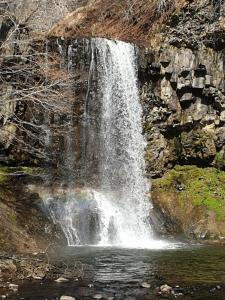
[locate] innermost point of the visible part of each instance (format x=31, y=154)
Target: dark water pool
x=196, y=271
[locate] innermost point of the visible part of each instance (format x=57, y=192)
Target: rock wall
x=191, y=202
x=183, y=91
x=184, y=108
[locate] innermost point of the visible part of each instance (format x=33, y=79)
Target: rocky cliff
x=183, y=91
x=181, y=75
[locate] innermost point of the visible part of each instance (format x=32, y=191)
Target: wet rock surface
x=24, y=225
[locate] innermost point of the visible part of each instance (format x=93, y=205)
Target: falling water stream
x=116, y=210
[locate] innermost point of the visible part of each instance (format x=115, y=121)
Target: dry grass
x=129, y=20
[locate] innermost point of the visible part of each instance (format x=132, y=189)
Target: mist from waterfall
x=114, y=211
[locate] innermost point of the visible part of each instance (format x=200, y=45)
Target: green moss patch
x=202, y=186
x=7, y=172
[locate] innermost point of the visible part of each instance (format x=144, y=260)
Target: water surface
x=196, y=271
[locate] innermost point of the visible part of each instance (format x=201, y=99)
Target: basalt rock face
x=72, y=131
x=183, y=92
x=184, y=105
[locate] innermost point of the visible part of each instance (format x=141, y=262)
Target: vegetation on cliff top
x=130, y=20
x=202, y=187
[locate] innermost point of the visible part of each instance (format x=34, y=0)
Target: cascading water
x=115, y=209
x=126, y=207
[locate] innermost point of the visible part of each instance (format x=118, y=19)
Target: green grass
x=202, y=186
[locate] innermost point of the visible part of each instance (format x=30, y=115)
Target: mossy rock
x=193, y=198
x=6, y=173
x=204, y=187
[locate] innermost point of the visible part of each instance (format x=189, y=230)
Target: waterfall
x=126, y=207
x=114, y=209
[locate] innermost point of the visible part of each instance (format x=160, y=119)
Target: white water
x=117, y=212
x=125, y=205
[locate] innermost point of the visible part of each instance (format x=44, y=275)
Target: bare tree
x=31, y=89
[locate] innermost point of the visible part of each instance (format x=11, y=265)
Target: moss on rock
x=197, y=196
x=6, y=173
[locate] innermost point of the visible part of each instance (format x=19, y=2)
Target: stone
x=180, y=83
x=8, y=266
x=13, y=287
x=145, y=285
x=177, y=294
x=174, y=77
x=97, y=296
x=198, y=110
x=221, y=85
x=61, y=279
x=220, y=137
x=37, y=278
x=7, y=134
x=199, y=82
x=169, y=70
x=165, y=289
x=208, y=80
x=165, y=57
x=186, y=97
x=222, y=116
x=67, y=298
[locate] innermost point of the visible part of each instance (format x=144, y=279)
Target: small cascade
x=114, y=207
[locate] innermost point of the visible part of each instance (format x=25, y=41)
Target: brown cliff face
x=24, y=228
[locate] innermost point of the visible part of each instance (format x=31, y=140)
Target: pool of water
x=196, y=271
